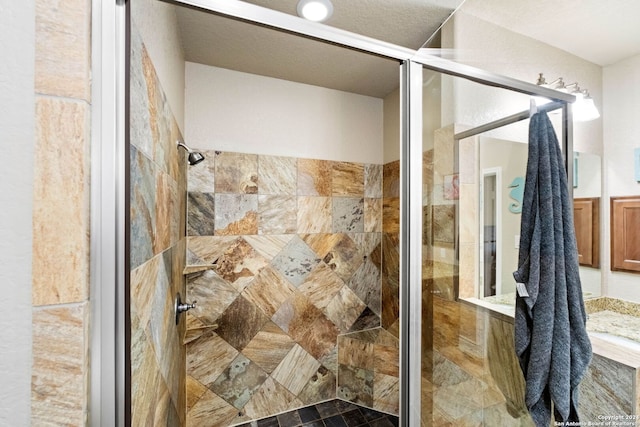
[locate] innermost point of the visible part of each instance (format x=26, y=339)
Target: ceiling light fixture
x=315, y=10
x=583, y=108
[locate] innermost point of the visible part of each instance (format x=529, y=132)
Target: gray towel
x=551, y=340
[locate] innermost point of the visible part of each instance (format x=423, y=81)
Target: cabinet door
x=586, y=214
x=625, y=233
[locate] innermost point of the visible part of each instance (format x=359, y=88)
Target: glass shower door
x=474, y=154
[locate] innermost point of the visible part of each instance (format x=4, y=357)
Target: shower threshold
x=332, y=413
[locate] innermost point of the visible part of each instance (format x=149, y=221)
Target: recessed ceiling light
x=315, y=10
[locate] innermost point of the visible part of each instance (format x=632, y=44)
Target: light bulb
x=585, y=110
x=315, y=10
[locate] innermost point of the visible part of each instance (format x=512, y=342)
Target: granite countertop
x=614, y=323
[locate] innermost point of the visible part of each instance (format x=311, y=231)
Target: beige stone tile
x=213, y=295
x=167, y=205
x=296, y=315
x=277, y=175
x=386, y=360
x=143, y=280
x=271, y=398
x=320, y=339
x=236, y=173
x=322, y=243
x=277, y=214
x=202, y=178
x=347, y=179
x=270, y=245
x=468, y=274
x=212, y=411
x=296, y=369
x=208, y=357
x=63, y=48
x=391, y=214
x=314, y=214
x=391, y=179
x=268, y=290
x=321, y=285
x=314, y=177
x=195, y=390
x=372, y=215
x=146, y=380
x=386, y=393
x=205, y=250
x=322, y=385
x=356, y=353
x=344, y=309
x=61, y=202
x=177, y=166
x=236, y=214
x=239, y=264
x=60, y=381
x=468, y=213
x=373, y=181
x=344, y=258
x=269, y=347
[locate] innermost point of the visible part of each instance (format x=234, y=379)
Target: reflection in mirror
x=587, y=189
x=501, y=172
x=502, y=168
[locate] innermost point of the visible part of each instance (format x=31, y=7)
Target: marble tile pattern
x=158, y=246
x=284, y=255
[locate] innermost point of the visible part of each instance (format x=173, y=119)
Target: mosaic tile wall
x=283, y=256
x=158, y=244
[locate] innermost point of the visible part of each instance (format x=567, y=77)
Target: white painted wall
x=392, y=126
x=487, y=46
x=621, y=82
x=17, y=117
x=484, y=45
x=232, y=111
x=158, y=25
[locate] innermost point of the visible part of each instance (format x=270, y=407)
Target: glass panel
x=286, y=234
x=470, y=373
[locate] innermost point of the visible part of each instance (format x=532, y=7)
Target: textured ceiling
x=602, y=32
x=226, y=43
x=598, y=31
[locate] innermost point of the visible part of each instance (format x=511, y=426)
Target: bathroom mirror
x=501, y=176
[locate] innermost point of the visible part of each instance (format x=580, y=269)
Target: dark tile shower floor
x=334, y=413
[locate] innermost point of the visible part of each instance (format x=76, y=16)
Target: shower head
x=195, y=157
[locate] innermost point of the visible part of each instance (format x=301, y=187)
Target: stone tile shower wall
x=157, y=252
x=283, y=256
x=61, y=213
x=368, y=370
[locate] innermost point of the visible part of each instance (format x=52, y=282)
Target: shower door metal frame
x=110, y=374
x=109, y=395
